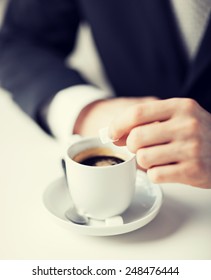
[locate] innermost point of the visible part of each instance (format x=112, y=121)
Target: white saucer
x=145, y=206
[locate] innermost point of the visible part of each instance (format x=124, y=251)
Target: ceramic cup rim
x=69, y=157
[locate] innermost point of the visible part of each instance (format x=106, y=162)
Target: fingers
x=159, y=155
x=190, y=173
x=171, y=139
x=146, y=135
x=178, y=151
x=139, y=114
x=149, y=135
x=167, y=174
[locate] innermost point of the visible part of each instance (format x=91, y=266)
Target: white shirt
x=192, y=19
x=191, y=16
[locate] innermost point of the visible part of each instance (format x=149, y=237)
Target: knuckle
x=195, y=148
x=173, y=102
x=130, y=145
x=152, y=98
x=193, y=126
x=198, y=167
x=189, y=105
x=143, y=159
x=194, y=169
x=186, y=129
x=156, y=176
x=133, y=140
x=135, y=113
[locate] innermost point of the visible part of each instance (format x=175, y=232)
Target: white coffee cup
x=104, y=191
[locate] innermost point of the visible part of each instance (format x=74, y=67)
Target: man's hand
x=100, y=113
x=171, y=138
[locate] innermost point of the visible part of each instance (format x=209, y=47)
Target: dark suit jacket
x=138, y=42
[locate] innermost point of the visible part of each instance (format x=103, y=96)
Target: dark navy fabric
x=138, y=42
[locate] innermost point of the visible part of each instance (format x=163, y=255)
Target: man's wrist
x=83, y=116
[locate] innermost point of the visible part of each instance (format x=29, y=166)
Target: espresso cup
x=101, y=178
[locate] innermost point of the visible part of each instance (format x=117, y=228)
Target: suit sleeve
x=35, y=39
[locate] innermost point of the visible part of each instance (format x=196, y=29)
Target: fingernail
x=104, y=136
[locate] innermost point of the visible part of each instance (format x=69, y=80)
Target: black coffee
x=102, y=161
x=99, y=157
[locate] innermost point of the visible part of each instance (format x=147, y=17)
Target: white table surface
x=30, y=160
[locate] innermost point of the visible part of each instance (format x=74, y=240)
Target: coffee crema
x=99, y=157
